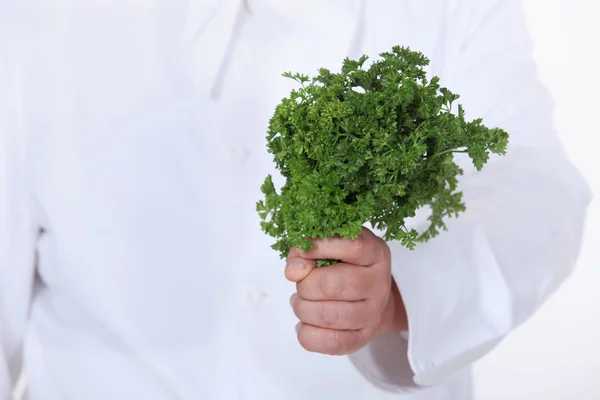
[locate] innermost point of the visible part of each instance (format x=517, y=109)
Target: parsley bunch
x=368, y=145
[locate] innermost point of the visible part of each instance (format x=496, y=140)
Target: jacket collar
x=213, y=28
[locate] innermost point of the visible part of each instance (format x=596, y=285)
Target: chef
x=132, y=264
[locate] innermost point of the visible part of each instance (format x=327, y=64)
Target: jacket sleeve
x=17, y=235
x=519, y=239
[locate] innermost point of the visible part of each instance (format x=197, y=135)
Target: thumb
x=297, y=268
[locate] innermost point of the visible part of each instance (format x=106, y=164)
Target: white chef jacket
x=132, y=137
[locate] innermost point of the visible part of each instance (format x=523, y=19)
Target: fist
x=343, y=306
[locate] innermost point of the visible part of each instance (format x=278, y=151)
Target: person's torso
x=148, y=149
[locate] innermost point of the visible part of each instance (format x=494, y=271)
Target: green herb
x=369, y=145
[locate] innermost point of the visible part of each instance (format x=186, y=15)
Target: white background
x=556, y=354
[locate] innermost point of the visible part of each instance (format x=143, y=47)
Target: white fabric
x=132, y=142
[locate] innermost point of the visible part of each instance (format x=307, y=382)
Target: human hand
x=343, y=306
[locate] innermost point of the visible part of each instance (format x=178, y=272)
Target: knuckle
x=381, y=250
x=356, y=246
x=330, y=317
x=356, y=317
x=386, y=253
x=357, y=283
x=333, y=284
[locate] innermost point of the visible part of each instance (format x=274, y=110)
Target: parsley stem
x=441, y=153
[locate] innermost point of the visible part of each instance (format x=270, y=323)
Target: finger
x=329, y=341
x=366, y=250
x=297, y=268
x=344, y=282
x=340, y=315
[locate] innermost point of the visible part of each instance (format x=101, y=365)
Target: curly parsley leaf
x=369, y=146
